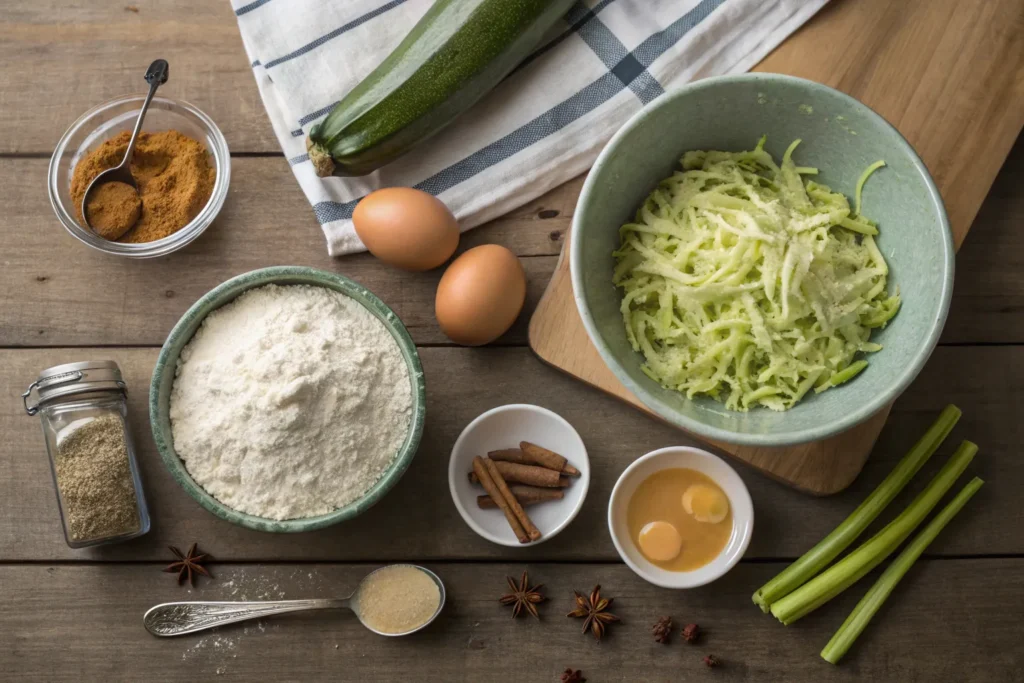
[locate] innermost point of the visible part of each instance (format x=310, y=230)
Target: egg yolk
x=705, y=503
x=660, y=541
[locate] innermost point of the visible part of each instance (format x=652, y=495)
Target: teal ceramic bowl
x=841, y=137
x=163, y=379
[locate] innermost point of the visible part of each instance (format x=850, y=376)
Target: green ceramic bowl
x=841, y=137
x=163, y=378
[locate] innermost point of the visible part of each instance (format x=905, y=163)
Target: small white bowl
x=694, y=459
x=505, y=427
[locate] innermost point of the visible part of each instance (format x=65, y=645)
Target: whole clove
x=662, y=629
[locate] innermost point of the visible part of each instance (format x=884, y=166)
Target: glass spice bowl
x=84, y=414
x=105, y=121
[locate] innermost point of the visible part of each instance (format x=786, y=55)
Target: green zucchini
x=457, y=52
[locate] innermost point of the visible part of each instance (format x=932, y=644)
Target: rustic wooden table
x=70, y=615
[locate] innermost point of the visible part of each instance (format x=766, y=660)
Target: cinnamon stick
x=531, y=475
x=486, y=480
x=531, y=530
x=518, y=455
x=538, y=455
x=509, y=455
x=526, y=495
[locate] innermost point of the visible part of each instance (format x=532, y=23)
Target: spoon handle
x=179, y=618
x=156, y=75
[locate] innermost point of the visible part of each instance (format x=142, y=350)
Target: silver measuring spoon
x=179, y=618
x=156, y=75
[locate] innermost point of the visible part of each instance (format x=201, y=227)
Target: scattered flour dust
x=290, y=401
x=219, y=647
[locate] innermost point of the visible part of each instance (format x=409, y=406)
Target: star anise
x=187, y=564
x=593, y=610
x=662, y=629
x=522, y=596
x=571, y=676
x=691, y=633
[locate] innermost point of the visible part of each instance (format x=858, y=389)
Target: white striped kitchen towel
x=542, y=126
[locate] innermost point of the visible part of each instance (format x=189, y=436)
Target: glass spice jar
x=84, y=411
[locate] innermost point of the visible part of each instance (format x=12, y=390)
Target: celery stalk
x=862, y=614
x=851, y=568
x=815, y=559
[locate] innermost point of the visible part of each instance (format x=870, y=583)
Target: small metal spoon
x=179, y=618
x=156, y=75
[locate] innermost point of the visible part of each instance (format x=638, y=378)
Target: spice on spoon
x=175, y=182
x=397, y=599
x=113, y=208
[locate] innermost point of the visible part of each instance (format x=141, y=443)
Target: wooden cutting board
x=950, y=76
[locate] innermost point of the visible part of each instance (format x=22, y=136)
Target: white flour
x=290, y=402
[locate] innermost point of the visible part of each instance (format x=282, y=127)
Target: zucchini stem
x=862, y=614
x=871, y=553
x=818, y=557
x=321, y=159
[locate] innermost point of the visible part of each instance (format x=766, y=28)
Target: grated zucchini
x=744, y=281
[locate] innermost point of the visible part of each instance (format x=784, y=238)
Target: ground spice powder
x=95, y=480
x=173, y=173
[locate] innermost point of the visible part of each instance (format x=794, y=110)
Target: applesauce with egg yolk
x=659, y=498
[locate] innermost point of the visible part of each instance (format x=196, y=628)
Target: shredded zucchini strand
x=860, y=184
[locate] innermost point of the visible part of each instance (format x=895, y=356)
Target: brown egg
x=406, y=228
x=480, y=295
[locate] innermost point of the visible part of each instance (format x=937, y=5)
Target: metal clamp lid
x=74, y=378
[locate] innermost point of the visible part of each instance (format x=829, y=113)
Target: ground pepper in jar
x=173, y=173
x=95, y=479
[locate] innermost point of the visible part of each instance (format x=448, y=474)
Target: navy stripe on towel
x=574, y=27
x=659, y=43
x=358, y=21
x=309, y=118
x=556, y=118
x=250, y=7
x=613, y=53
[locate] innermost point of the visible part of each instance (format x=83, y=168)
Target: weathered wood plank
x=949, y=620
x=59, y=292
x=108, y=48
x=989, y=293
x=988, y=383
